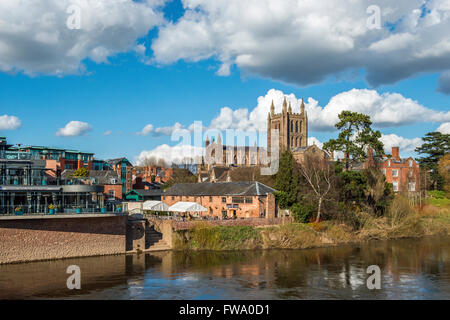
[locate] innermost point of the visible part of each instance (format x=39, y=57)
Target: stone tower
x=293, y=127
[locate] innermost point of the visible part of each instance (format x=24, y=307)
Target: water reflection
x=411, y=269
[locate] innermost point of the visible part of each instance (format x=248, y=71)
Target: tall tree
x=435, y=146
x=354, y=137
x=319, y=175
x=287, y=178
x=444, y=171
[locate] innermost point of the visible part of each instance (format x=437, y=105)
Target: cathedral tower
x=293, y=127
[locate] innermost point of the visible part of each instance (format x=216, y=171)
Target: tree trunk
x=318, y=209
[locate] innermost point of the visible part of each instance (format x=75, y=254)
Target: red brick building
x=403, y=173
x=226, y=199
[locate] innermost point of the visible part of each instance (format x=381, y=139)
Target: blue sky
x=128, y=90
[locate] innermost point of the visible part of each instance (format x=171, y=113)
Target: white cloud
x=306, y=41
x=107, y=133
x=146, y=130
x=172, y=154
x=314, y=140
x=385, y=110
x=9, y=122
x=444, y=128
x=406, y=145
x=35, y=38
x=73, y=129
x=161, y=131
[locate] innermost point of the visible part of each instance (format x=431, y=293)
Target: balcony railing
x=20, y=210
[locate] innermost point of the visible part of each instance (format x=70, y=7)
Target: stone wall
x=30, y=238
x=185, y=225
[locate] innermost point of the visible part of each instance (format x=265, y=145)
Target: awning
x=155, y=206
x=187, y=207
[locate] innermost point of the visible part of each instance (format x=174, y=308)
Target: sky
x=119, y=77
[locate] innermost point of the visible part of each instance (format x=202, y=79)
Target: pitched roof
x=117, y=160
x=220, y=173
x=101, y=176
x=241, y=188
x=147, y=192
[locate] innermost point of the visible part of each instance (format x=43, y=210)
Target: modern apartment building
x=25, y=187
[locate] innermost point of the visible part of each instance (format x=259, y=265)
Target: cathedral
x=293, y=135
x=293, y=127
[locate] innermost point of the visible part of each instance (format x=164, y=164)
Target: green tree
x=435, y=146
x=355, y=136
x=287, y=179
x=81, y=173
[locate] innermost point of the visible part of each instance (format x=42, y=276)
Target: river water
x=410, y=269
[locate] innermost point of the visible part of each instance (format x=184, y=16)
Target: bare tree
x=319, y=174
x=154, y=161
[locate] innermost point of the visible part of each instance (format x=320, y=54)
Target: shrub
x=399, y=210
x=302, y=213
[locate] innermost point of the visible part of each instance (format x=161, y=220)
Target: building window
x=395, y=173
x=173, y=198
x=410, y=173
x=384, y=171
x=410, y=163
x=248, y=200
x=296, y=126
x=237, y=199
x=111, y=193
x=395, y=185
x=412, y=186
x=210, y=199
x=389, y=163
x=224, y=199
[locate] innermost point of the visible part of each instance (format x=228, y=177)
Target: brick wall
x=216, y=205
x=27, y=239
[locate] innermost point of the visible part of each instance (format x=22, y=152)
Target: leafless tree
x=154, y=161
x=319, y=174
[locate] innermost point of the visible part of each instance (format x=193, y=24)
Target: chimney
x=369, y=153
x=396, y=153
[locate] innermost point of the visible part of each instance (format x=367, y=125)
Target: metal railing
x=26, y=210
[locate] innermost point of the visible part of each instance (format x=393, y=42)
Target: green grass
x=439, y=199
x=225, y=238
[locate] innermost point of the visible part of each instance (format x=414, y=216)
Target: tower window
x=296, y=126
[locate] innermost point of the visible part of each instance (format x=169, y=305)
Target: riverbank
x=313, y=235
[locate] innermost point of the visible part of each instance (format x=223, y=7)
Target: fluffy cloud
x=444, y=128
x=35, y=37
x=406, y=145
x=9, y=122
x=107, y=133
x=314, y=140
x=172, y=154
x=161, y=131
x=73, y=129
x=306, y=41
x=385, y=110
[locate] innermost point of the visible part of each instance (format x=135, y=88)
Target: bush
x=302, y=213
x=399, y=210
x=437, y=194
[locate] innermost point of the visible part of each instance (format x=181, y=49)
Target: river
x=410, y=269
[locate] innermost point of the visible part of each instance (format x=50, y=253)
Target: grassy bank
x=428, y=221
